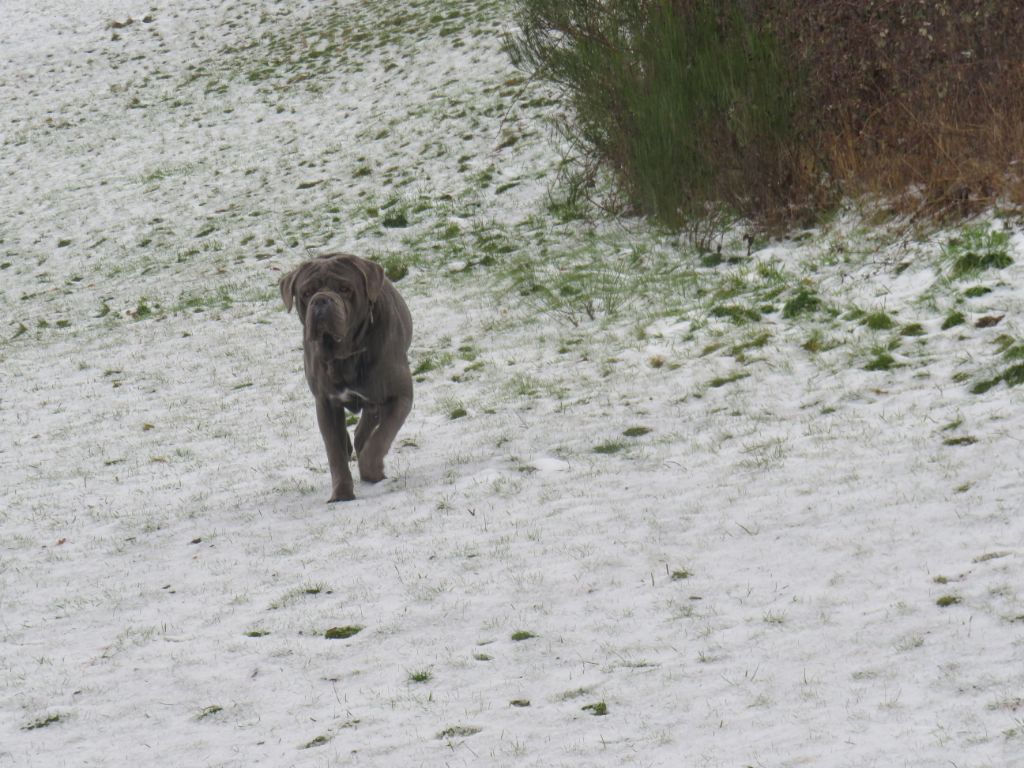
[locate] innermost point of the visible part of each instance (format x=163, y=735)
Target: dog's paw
x=342, y=494
x=370, y=471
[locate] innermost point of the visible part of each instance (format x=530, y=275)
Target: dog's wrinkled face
x=333, y=297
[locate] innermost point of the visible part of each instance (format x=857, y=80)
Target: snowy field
x=651, y=508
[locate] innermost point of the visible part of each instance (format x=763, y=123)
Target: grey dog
x=356, y=335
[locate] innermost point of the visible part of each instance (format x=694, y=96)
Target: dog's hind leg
x=368, y=421
x=391, y=416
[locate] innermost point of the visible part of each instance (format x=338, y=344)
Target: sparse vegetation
x=803, y=302
x=610, y=447
x=421, y=676
x=458, y=732
x=43, y=722
x=342, y=633
x=978, y=248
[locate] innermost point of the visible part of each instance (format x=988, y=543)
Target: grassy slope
x=163, y=479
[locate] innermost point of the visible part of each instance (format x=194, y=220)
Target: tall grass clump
x=689, y=103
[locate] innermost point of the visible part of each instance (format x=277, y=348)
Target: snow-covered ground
x=790, y=559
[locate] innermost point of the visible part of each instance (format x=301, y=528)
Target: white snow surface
x=753, y=581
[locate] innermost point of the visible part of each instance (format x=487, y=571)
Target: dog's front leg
x=331, y=418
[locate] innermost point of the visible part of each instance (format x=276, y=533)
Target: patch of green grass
x=721, y=381
x=1003, y=342
x=882, y=361
x=977, y=291
x=953, y=319
x=524, y=385
x=395, y=219
x=521, y=635
x=610, y=447
x=598, y=709
x=43, y=722
x=431, y=361
x=636, y=431
x=468, y=352
x=458, y=732
x=1012, y=377
x=142, y=309
x=804, y=302
x=342, y=633
x=457, y=412
x=976, y=249
x=736, y=313
x=957, y=441
x=878, y=321
x=257, y=633
x=947, y=600
x=421, y=676
x=209, y=711
x=319, y=741
x=680, y=574
x=913, y=329
x=988, y=556
x=200, y=301
x=757, y=342
x=585, y=285
x=817, y=343
x=396, y=265
x=519, y=703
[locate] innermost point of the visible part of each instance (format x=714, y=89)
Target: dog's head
x=334, y=297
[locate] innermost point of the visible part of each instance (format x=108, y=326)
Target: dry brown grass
x=921, y=103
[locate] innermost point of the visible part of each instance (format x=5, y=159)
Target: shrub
x=688, y=102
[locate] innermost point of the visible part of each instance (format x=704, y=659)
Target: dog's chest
x=343, y=380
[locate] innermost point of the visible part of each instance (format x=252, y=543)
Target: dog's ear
x=373, y=276
x=287, y=284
